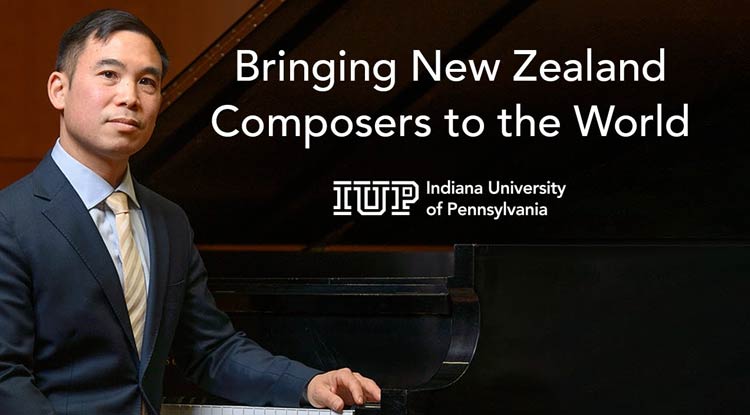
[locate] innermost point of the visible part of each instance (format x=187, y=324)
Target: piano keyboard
x=176, y=409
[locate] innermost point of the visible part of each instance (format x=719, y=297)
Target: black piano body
x=564, y=328
x=403, y=318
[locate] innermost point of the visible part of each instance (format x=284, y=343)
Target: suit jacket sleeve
x=223, y=361
x=18, y=393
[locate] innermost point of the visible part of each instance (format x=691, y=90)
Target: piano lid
x=283, y=192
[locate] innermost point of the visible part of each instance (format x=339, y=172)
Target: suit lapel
x=156, y=229
x=67, y=213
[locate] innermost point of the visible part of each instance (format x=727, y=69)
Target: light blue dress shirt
x=93, y=191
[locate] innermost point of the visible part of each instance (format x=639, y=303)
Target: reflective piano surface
x=589, y=329
x=409, y=320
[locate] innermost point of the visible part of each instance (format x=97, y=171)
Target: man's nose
x=127, y=94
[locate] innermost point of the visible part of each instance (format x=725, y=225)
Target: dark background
x=622, y=189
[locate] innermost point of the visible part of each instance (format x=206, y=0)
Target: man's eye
x=109, y=74
x=148, y=81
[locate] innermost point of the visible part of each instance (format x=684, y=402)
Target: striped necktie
x=134, y=284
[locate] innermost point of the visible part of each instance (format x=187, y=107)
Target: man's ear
x=57, y=87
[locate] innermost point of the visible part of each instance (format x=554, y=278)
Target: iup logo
x=374, y=197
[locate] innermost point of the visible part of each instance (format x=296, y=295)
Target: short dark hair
x=102, y=24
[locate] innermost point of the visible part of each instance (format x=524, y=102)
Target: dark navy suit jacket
x=66, y=345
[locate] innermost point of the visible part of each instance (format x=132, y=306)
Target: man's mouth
x=126, y=121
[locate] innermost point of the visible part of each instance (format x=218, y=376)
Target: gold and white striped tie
x=134, y=285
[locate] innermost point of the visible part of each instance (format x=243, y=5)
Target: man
x=99, y=276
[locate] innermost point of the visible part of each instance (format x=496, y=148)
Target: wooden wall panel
x=29, y=33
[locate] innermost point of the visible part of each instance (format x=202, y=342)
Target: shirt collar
x=91, y=188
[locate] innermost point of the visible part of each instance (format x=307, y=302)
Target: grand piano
x=594, y=309
x=404, y=318
x=626, y=328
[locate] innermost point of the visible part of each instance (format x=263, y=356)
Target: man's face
x=110, y=106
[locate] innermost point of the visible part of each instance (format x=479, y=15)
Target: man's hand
x=341, y=387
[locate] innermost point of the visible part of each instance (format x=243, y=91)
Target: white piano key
x=174, y=409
